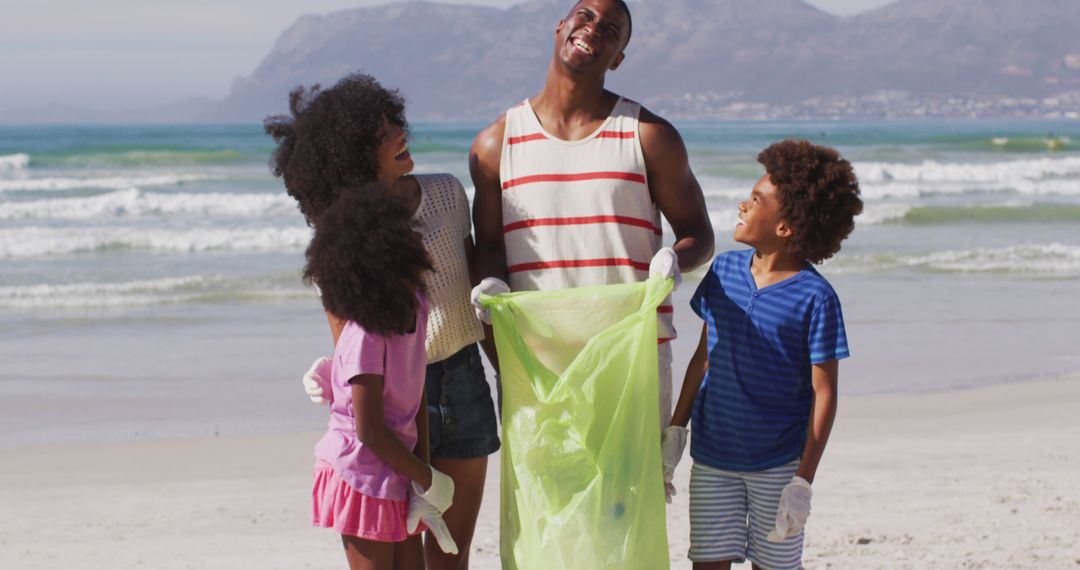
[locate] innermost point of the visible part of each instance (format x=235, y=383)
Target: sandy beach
x=981, y=478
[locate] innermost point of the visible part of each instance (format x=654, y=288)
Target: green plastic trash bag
x=582, y=482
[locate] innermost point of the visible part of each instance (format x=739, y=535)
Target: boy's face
x=759, y=224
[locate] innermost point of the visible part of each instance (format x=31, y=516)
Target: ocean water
x=151, y=274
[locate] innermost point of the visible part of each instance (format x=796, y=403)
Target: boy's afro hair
x=366, y=260
x=819, y=196
x=329, y=141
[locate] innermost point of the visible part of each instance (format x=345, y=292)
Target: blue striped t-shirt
x=753, y=408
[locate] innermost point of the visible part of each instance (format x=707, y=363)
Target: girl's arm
x=695, y=373
x=825, y=378
x=367, y=396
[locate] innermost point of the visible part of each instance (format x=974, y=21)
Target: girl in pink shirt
x=373, y=482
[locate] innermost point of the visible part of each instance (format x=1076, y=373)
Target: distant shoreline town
x=885, y=104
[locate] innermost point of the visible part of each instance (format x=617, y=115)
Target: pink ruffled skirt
x=338, y=506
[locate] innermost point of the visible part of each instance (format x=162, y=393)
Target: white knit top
x=444, y=222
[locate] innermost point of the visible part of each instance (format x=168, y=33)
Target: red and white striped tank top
x=578, y=213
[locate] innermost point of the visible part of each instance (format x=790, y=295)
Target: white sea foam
x=875, y=214
x=101, y=295
x=1027, y=260
x=992, y=172
x=133, y=203
x=105, y=182
x=27, y=242
x=17, y=161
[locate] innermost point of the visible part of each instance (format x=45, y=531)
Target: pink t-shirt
x=401, y=360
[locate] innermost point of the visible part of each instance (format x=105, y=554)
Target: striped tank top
x=578, y=213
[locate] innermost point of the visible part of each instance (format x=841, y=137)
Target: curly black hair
x=367, y=261
x=329, y=141
x=629, y=19
x=819, y=196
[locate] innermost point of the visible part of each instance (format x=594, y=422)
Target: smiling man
x=571, y=183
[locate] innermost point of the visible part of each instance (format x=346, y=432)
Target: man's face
x=592, y=36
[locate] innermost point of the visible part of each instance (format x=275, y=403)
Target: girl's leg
x=409, y=554
x=725, y=565
x=368, y=554
x=469, y=476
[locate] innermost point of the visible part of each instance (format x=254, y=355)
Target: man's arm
x=676, y=191
x=825, y=378
x=484, y=158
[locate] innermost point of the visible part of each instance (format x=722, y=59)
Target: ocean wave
x=140, y=157
x=30, y=242
x=1017, y=212
x=147, y=292
x=100, y=295
x=1054, y=260
x=16, y=161
x=133, y=203
x=1004, y=172
x=102, y=183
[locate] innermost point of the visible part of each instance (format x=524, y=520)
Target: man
x=570, y=184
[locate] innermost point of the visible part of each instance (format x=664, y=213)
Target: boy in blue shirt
x=761, y=388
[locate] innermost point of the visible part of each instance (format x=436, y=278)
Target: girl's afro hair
x=329, y=142
x=367, y=261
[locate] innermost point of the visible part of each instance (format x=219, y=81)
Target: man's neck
x=568, y=102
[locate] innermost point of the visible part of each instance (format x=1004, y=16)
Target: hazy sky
x=111, y=54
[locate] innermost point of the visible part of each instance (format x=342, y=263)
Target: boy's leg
x=763, y=489
x=718, y=507
x=725, y=565
x=365, y=554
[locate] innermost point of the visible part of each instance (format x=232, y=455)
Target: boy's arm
x=695, y=373
x=825, y=378
x=367, y=395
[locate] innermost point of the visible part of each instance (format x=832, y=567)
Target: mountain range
x=694, y=59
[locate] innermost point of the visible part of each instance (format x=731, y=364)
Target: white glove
x=666, y=264
x=793, y=511
x=428, y=506
x=317, y=382
x=672, y=444
x=489, y=286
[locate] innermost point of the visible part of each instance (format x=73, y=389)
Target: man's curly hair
x=366, y=260
x=819, y=196
x=329, y=141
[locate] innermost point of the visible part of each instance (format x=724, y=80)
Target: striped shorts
x=731, y=513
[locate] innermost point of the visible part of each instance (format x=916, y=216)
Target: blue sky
x=112, y=54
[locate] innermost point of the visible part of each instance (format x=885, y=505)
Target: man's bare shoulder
x=659, y=138
x=489, y=140
x=657, y=128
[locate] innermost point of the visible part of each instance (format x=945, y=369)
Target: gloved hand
x=428, y=506
x=317, y=382
x=672, y=444
x=793, y=511
x=489, y=286
x=666, y=264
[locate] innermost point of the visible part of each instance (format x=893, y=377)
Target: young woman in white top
x=353, y=133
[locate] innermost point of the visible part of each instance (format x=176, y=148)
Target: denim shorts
x=461, y=414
